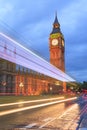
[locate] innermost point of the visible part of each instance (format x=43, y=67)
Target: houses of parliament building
x=18, y=80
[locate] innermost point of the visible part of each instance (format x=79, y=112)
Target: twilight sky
x=30, y=21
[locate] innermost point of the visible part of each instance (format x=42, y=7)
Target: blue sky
x=30, y=21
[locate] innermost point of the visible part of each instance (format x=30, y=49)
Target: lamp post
x=4, y=87
x=4, y=83
x=21, y=85
x=51, y=89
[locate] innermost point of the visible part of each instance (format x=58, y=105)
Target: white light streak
x=28, y=59
x=24, y=102
x=34, y=106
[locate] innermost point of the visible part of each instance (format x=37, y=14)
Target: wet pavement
x=74, y=118
x=71, y=115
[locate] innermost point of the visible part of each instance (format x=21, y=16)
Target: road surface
x=70, y=115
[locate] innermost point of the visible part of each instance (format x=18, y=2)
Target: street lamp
x=51, y=89
x=4, y=83
x=21, y=85
x=4, y=86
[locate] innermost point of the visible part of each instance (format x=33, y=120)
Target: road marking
x=71, y=108
x=30, y=125
x=57, y=117
x=47, y=119
x=47, y=123
x=20, y=129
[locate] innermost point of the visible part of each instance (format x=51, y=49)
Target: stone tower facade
x=57, y=48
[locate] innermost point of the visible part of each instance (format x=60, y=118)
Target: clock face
x=62, y=43
x=54, y=42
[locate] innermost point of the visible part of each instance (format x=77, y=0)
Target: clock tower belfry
x=57, y=47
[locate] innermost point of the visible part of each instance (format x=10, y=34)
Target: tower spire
x=56, y=13
x=56, y=25
x=56, y=19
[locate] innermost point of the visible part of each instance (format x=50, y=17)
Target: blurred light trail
x=16, y=103
x=34, y=106
x=28, y=59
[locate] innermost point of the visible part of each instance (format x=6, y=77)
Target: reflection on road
x=69, y=115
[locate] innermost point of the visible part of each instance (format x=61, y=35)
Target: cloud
x=31, y=23
x=72, y=13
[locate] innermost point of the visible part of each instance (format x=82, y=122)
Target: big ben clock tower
x=57, y=48
x=56, y=44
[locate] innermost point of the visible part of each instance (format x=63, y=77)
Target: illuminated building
x=7, y=77
x=57, y=48
x=18, y=80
